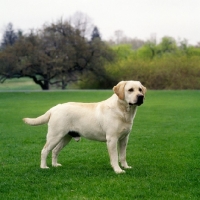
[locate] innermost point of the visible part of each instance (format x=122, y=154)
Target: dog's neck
x=129, y=111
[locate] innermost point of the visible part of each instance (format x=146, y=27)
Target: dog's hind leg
x=50, y=144
x=65, y=140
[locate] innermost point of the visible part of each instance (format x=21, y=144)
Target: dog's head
x=132, y=92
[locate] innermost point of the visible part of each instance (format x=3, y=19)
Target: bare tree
x=118, y=36
x=83, y=23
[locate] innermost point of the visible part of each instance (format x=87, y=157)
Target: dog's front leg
x=112, y=150
x=122, y=152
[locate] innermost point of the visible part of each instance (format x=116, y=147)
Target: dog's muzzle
x=140, y=100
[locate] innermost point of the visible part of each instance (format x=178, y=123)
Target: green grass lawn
x=19, y=84
x=163, y=149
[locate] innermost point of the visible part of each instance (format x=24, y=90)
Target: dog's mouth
x=136, y=104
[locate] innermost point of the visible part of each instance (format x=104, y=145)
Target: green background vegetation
x=163, y=150
x=157, y=66
x=61, y=56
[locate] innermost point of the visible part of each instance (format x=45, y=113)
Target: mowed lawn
x=163, y=150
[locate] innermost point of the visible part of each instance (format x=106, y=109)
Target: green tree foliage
x=150, y=49
x=167, y=45
x=61, y=53
x=96, y=76
x=158, y=66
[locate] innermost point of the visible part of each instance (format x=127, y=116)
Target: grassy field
x=164, y=151
x=19, y=84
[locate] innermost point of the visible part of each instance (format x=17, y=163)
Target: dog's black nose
x=140, y=100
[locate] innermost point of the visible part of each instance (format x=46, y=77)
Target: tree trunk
x=64, y=84
x=44, y=84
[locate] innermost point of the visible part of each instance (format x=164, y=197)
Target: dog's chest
x=127, y=122
x=126, y=128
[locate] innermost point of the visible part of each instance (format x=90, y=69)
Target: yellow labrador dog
x=109, y=121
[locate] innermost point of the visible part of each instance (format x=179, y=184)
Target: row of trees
x=64, y=52
x=164, y=65
x=55, y=55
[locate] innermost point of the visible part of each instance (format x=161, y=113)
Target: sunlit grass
x=163, y=150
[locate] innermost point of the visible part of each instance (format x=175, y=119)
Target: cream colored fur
x=108, y=121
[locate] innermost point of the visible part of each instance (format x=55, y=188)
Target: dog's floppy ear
x=119, y=89
x=144, y=89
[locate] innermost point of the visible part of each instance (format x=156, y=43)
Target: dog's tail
x=43, y=119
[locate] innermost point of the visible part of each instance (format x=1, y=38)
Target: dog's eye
x=140, y=89
x=131, y=90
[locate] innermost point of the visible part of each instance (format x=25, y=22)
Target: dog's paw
x=77, y=139
x=56, y=165
x=120, y=172
x=127, y=167
x=44, y=167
